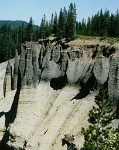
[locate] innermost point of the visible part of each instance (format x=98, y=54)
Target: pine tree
x=112, y=27
x=106, y=22
x=65, y=14
x=7, y=43
x=36, y=33
x=55, y=24
x=83, y=27
x=51, y=23
x=71, y=21
x=117, y=23
x=89, y=27
x=42, y=32
x=99, y=135
x=79, y=28
x=29, y=30
x=60, y=24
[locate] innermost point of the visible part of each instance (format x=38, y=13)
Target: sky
x=24, y=9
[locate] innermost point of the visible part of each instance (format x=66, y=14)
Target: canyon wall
x=48, y=92
x=76, y=64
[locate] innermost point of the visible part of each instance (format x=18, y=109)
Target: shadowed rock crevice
x=25, y=65
x=90, y=85
x=95, y=52
x=107, y=51
x=13, y=111
x=11, y=115
x=58, y=83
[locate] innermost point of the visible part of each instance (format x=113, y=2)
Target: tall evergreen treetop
x=30, y=30
x=71, y=21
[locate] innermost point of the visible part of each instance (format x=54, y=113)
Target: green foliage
x=11, y=37
x=44, y=30
x=12, y=24
x=29, y=30
x=101, y=24
x=99, y=135
x=71, y=21
x=7, y=44
x=62, y=25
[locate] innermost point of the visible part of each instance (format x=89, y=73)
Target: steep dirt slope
x=44, y=116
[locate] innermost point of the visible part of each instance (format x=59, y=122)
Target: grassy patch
x=104, y=39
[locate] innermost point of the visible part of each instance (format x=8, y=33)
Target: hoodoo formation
x=48, y=91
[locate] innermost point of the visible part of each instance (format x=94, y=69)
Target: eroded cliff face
x=49, y=91
x=38, y=62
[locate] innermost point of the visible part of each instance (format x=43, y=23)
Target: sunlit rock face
x=47, y=92
x=101, y=69
x=113, y=83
